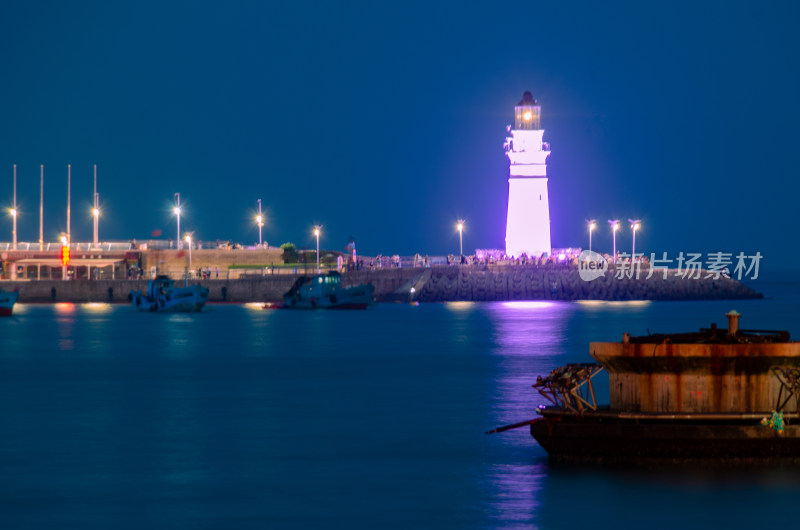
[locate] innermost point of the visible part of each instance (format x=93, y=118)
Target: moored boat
x=7, y=301
x=162, y=295
x=715, y=395
x=325, y=291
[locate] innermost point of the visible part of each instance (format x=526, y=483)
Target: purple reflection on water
x=528, y=341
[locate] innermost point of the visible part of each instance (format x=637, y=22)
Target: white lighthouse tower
x=528, y=222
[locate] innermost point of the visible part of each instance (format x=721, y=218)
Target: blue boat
x=7, y=301
x=325, y=291
x=162, y=295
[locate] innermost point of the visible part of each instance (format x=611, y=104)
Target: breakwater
x=436, y=284
x=546, y=283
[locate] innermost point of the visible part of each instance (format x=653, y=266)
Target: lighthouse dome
x=527, y=99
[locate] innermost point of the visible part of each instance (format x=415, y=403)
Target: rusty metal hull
x=606, y=438
x=665, y=377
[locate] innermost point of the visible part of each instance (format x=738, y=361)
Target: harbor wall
x=562, y=283
x=437, y=284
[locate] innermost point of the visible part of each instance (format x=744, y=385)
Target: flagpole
x=41, y=208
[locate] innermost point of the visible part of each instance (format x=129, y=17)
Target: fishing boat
x=325, y=291
x=162, y=295
x=717, y=395
x=7, y=301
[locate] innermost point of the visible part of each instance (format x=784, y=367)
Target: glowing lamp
x=460, y=228
x=96, y=212
x=13, y=212
x=65, y=255
x=258, y=219
x=316, y=233
x=592, y=227
x=527, y=116
x=635, y=225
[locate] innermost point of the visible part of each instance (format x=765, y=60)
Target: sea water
x=239, y=417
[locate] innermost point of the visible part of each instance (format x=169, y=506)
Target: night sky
x=385, y=121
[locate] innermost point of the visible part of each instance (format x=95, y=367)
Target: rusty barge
x=718, y=394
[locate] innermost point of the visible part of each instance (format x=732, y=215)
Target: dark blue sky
x=386, y=121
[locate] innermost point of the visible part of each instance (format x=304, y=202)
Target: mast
x=69, y=195
x=96, y=210
x=14, y=208
x=41, y=208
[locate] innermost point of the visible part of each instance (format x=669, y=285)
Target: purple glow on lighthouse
x=528, y=221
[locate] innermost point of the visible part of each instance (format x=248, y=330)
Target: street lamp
x=64, y=243
x=189, y=242
x=260, y=222
x=69, y=200
x=96, y=211
x=13, y=210
x=592, y=227
x=635, y=225
x=460, y=228
x=177, y=212
x=316, y=234
x=96, y=215
x=614, y=227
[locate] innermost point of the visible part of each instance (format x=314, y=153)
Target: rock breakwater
x=544, y=283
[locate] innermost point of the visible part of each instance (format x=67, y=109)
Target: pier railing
x=108, y=246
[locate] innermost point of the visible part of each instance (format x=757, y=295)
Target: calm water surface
x=243, y=418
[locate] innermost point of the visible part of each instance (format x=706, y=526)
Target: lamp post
x=189, y=242
x=260, y=222
x=460, y=228
x=316, y=234
x=64, y=243
x=96, y=212
x=177, y=211
x=69, y=200
x=614, y=227
x=41, y=207
x=13, y=211
x=592, y=226
x=636, y=224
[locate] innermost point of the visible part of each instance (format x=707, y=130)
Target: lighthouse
x=528, y=221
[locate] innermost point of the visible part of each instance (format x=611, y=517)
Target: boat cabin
x=160, y=285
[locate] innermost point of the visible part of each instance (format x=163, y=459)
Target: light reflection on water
x=527, y=338
x=66, y=325
x=527, y=491
x=243, y=417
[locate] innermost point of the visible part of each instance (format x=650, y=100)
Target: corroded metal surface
x=570, y=386
x=696, y=377
x=589, y=439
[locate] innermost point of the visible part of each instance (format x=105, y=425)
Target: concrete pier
x=436, y=284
